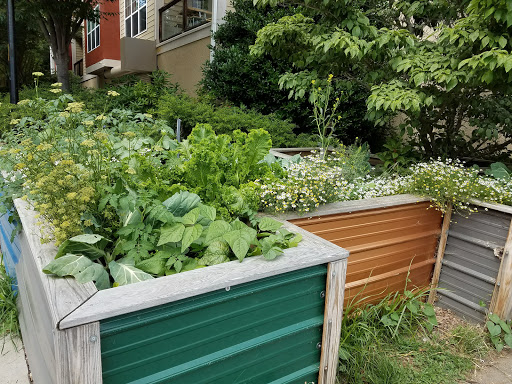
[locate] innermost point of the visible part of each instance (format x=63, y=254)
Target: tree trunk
x=62, y=61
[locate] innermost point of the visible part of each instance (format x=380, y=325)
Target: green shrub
x=226, y=119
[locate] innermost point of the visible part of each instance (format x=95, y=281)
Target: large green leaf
x=269, y=224
x=132, y=217
x=171, y=234
x=81, y=268
x=508, y=340
x=155, y=264
x=494, y=329
x=240, y=241
x=208, y=212
x=124, y=272
x=216, y=253
x=87, y=238
x=256, y=147
x=90, y=246
x=181, y=203
x=190, y=235
x=190, y=218
x=216, y=230
x=269, y=247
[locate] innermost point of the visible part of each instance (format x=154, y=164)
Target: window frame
x=91, y=31
x=130, y=17
x=184, y=21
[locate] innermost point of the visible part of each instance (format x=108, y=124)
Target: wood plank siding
x=386, y=246
x=149, y=33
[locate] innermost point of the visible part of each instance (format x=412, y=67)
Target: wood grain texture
x=41, y=363
x=78, y=355
x=130, y=298
x=333, y=314
x=503, y=303
x=44, y=301
x=355, y=205
x=62, y=295
x=440, y=253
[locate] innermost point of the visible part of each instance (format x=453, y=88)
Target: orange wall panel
x=109, y=47
x=387, y=246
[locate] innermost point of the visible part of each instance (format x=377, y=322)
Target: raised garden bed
x=260, y=321
x=400, y=240
x=390, y=239
x=267, y=321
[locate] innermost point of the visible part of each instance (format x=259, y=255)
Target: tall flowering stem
x=324, y=114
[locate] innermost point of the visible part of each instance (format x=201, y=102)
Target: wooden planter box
x=259, y=321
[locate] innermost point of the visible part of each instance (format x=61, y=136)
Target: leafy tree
x=456, y=77
x=59, y=22
x=456, y=90
x=238, y=77
x=31, y=47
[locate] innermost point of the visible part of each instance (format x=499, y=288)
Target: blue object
x=10, y=250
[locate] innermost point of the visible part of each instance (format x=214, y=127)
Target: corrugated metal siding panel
x=265, y=331
x=470, y=265
x=386, y=245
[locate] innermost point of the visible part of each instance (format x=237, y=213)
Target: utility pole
x=12, y=55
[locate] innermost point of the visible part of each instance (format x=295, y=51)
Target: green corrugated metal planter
x=258, y=332
x=258, y=321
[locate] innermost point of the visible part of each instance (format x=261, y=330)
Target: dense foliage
x=241, y=78
x=226, y=119
x=445, y=65
x=31, y=48
x=115, y=188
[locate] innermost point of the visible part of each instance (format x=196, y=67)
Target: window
x=93, y=32
x=135, y=17
x=179, y=16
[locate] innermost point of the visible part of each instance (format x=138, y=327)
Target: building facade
x=140, y=36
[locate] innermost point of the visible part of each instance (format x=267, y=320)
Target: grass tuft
x=9, y=324
x=391, y=342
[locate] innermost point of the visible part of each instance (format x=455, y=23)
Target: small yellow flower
x=129, y=134
x=64, y=114
x=101, y=117
x=56, y=90
x=131, y=171
x=37, y=74
x=57, y=85
x=113, y=93
x=88, y=123
x=23, y=102
x=75, y=107
x=88, y=143
x=148, y=115
x=313, y=82
x=15, y=121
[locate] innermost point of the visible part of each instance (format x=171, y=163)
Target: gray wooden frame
x=60, y=317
